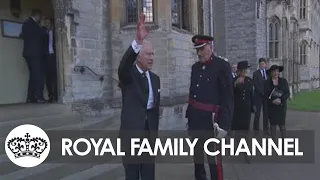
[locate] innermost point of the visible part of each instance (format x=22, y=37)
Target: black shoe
x=31, y=101
x=41, y=100
x=52, y=99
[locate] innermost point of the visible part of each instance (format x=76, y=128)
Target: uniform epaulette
x=223, y=58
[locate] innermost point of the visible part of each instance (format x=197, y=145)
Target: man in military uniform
x=211, y=103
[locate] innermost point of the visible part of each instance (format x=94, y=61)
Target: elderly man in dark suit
x=140, y=98
x=259, y=78
x=32, y=35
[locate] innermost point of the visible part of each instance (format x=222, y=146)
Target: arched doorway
x=14, y=73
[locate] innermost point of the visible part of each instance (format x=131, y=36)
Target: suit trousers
x=215, y=164
x=260, y=103
x=145, y=171
x=36, y=77
x=51, y=76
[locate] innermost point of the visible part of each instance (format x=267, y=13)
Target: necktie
x=145, y=82
x=264, y=74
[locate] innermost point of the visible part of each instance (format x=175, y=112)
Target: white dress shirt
x=263, y=73
x=234, y=75
x=51, y=51
x=136, y=49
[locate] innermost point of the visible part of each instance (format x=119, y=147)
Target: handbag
x=275, y=93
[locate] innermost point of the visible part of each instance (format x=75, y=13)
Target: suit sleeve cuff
x=135, y=46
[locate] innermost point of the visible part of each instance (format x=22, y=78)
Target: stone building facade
x=96, y=34
x=285, y=31
x=297, y=46
x=240, y=30
x=91, y=38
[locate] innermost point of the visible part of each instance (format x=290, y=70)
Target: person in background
x=234, y=70
x=259, y=78
x=50, y=63
x=32, y=35
x=243, y=102
x=277, y=93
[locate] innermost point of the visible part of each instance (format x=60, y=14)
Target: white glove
x=221, y=133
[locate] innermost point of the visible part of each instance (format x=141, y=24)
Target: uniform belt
x=205, y=107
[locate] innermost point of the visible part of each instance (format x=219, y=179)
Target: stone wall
x=309, y=31
x=220, y=28
x=261, y=31
x=207, y=17
x=240, y=35
x=83, y=39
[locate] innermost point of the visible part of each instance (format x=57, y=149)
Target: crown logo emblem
x=27, y=146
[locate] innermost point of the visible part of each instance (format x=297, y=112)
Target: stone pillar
x=63, y=52
x=220, y=18
x=82, y=40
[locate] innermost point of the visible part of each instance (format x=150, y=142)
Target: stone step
x=43, y=122
x=59, y=172
x=56, y=170
x=66, y=172
x=17, y=112
x=8, y=169
x=96, y=171
x=86, y=125
x=49, y=116
x=115, y=174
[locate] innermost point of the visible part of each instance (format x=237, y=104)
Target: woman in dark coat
x=243, y=99
x=277, y=92
x=243, y=103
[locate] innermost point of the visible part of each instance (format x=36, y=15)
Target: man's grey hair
x=145, y=42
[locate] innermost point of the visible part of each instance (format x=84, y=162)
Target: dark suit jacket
x=32, y=35
x=258, y=82
x=134, y=100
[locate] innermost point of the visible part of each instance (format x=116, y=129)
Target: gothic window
x=285, y=39
x=274, y=30
x=258, y=6
x=319, y=54
x=180, y=14
x=303, y=52
x=303, y=9
x=135, y=7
